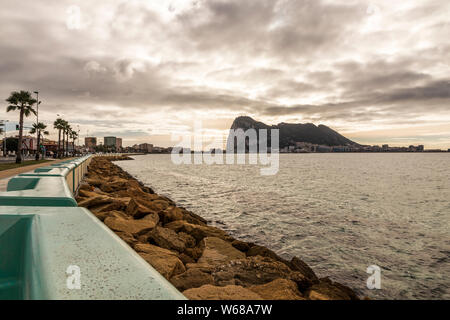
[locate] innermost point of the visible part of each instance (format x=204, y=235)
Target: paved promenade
x=5, y=175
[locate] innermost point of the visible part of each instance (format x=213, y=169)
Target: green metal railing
x=52, y=249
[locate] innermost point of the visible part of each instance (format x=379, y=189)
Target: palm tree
x=40, y=130
x=74, y=136
x=23, y=102
x=59, y=125
x=69, y=130
x=64, y=130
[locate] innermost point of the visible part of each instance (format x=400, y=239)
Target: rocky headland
x=202, y=261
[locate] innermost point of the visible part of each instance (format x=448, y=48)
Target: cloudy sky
x=377, y=71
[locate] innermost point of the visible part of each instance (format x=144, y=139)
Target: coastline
x=201, y=261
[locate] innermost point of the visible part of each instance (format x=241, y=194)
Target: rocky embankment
x=203, y=262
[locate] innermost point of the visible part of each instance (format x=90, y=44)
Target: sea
x=341, y=213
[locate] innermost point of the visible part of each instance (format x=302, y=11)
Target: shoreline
x=201, y=261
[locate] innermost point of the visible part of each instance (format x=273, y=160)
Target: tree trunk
x=38, y=145
x=59, y=143
x=67, y=144
x=19, y=144
x=63, y=142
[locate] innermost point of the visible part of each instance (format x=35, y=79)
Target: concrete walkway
x=5, y=175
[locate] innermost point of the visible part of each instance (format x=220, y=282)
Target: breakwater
x=202, y=261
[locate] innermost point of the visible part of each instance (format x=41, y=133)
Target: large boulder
x=87, y=192
x=279, y=289
x=166, y=262
x=173, y=213
x=298, y=265
x=328, y=290
x=198, y=231
x=257, y=250
x=94, y=181
x=139, y=207
x=256, y=271
x=115, y=204
x=115, y=184
x=135, y=227
x=189, y=240
x=195, y=252
x=167, y=238
x=192, y=278
x=127, y=237
x=113, y=213
x=137, y=210
x=209, y=292
x=241, y=245
x=217, y=251
x=95, y=201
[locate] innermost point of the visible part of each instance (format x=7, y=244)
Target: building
x=90, y=142
x=109, y=142
x=118, y=143
x=146, y=147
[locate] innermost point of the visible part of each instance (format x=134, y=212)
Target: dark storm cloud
x=277, y=29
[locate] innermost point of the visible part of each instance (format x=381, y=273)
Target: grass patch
x=13, y=165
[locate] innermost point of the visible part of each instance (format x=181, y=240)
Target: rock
x=298, y=265
x=166, y=238
x=94, y=181
x=194, y=218
x=171, y=214
x=151, y=249
x=256, y=250
x=279, y=289
x=113, y=205
x=127, y=237
x=85, y=186
x=192, y=278
x=137, y=210
x=135, y=227
x=204, y=268
x=188, y=240
x=164, y=261
x=256, y=271
x=153, y=217
x=217, y=251
x=115, y=184
x=139, y=193
x=241, y=245
x=87, y=193
x=158, y=205
x=327, y=290
x=195, y=253
x=105, y=214
x=95, y=201
x=186, y=259
x=209, y=292
x=197, y=231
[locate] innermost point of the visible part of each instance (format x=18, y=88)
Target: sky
x=376, y=71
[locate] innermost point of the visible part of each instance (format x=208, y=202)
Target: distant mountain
x=297, y=132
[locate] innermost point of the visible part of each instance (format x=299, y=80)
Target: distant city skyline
x=377, y=72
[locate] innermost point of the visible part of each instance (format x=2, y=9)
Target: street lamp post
x=38, y=131
x=78, y=137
